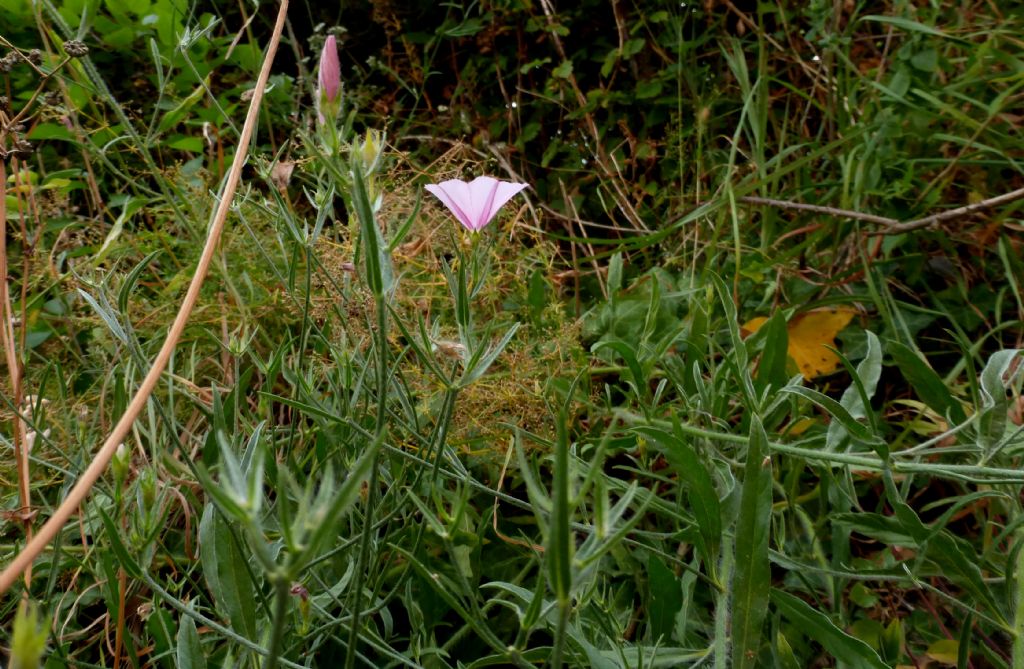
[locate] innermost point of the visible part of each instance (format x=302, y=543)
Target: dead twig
x=819, y=209
x=891, y=226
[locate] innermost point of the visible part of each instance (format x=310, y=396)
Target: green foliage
x=381, y=444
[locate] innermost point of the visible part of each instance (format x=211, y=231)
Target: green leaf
x=130, y=281
x=784, y=656
x=178, y=113
x=868, y=372
x=160, y=627
x=614, y=275
x=648, y=89
x=772, y=369
x=752, y=581
x=375, y=256
x=906, y=24
x=561, y=540
x=665, y=599
x=840, y=645
x=226, y=573
x=994, y=404
x=838, y=412
x=51, y=131
x=926, y=60
x=537, y=296
x=481, y=361
x=956, y=560
x=629, y=357
x=335, y=506
x=925, y=382
x=115, y=536
x=403, y=230
x=190, y=144
x=563, y=71
x=189, y=653
x=700, y=491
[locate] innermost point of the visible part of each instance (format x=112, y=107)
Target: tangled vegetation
x=735, y=382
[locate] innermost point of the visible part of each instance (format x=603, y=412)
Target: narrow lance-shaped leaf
x=378, y=270
x=868, y=372
x=752, y=581
x=840, y=645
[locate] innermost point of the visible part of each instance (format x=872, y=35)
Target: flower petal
x=475, y=203
x=498, y=193
x=454, y=194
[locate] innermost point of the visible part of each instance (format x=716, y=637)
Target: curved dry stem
x=8, y=340
x=99, y=464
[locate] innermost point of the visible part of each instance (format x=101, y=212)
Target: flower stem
x=381, y=346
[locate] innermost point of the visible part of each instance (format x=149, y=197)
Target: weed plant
x=385, y=440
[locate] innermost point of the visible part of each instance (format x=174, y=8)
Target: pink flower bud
x=328, y=89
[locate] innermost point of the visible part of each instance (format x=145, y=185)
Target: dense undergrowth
x=656, y=414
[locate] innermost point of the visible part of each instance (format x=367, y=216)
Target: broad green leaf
x=944, y=651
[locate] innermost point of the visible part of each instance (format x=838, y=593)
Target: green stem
x=1018, y=615
x=722, y=640
x=281, y=593
x=969, y=473
x=364, y=548
x=563, y=622
x=442, y=432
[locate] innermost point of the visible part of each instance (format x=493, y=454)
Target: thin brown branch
x=14, y=371
x=818, y=209
x=891, y=225
x=952, y=214
x=99, y=464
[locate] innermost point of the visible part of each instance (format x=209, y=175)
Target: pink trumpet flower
x=474, y=203
x=328, y=88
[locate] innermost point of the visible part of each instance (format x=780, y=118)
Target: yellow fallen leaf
x=809, y=335
x=944, y=651
x=799, y=426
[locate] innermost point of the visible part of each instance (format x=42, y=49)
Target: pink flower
x=476, y=202
x=328, y=88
